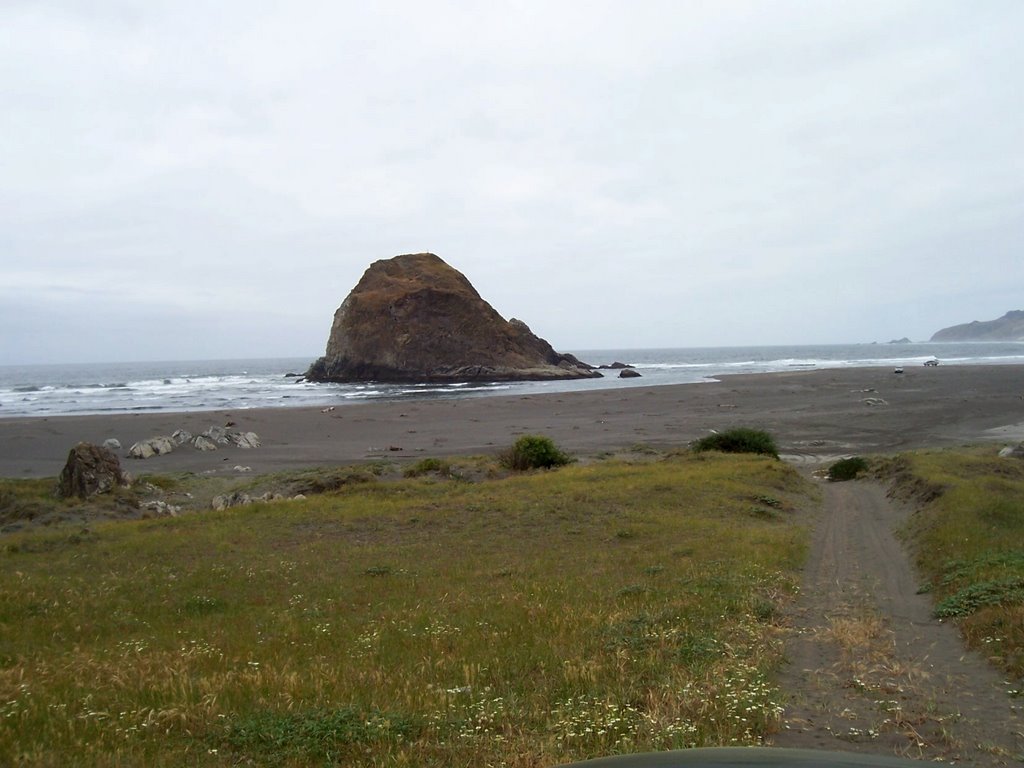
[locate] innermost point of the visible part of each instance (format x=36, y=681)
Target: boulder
x=181, y=436
x=154, y=446
x=161, y=508
x=236, y=499
x=218, y=435
x=90, y=469
x=628, y=373
x=414, y=318
x=616, y=366
x=1013, y=452
x=203, y=443
x=112, y=444
x=241, y=499
x=245, y=439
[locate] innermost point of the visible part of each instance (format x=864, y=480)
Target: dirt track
x=870, y=669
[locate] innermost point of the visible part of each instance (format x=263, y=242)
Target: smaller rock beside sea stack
x=90, y=469
x=414, y=318
x=629, y=373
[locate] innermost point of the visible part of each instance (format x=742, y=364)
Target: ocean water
x=52, y=390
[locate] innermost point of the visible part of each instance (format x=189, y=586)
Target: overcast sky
x=187, y=180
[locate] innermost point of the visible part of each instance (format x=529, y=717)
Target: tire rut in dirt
x=870, y=669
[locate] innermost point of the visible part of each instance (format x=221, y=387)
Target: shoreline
x=813, y=415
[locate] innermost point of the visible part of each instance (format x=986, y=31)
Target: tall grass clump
x=533, y=452
x=428, y=465
x=847, y=469
x=970, y=543
x=739, y=440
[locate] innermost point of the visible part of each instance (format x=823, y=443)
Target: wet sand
x=813, y=415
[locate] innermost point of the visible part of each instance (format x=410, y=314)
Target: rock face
x=413, y=318
x=90, y=469
x=1009, y=327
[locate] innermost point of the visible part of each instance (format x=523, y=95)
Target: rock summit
x=413, y=318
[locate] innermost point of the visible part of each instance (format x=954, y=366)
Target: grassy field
x=969, y=539
x=519, y=621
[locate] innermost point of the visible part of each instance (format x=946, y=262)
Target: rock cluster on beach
x=209, y=440
x=413, y=318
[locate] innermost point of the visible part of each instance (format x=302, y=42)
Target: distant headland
x=1009, y=327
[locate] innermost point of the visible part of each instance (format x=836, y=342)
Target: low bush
x=739, y=440
x=424, y=466
x=328, y=480
x=847, y=469
x=981, y=595
x=533, y=452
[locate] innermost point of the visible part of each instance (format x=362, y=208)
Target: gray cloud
x=677, y=174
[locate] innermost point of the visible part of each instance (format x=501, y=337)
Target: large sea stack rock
x=1009, y=327
x=413, y=318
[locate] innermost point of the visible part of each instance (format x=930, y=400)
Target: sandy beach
x=814, y=415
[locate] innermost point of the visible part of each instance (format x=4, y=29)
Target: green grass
x=36, y=501
x=970, y=543
x=847, y=469
x=739, y=440
x=323, y=735
x=533, y=452
x=426, y=466
x=420, y=621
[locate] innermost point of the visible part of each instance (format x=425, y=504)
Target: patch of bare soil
x=870, y=669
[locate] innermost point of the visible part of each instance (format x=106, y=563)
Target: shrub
x=847, y=469
x=533, y=452
x=981, y=595
x=423, y=466
x=740, y=440
x=328, y=480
